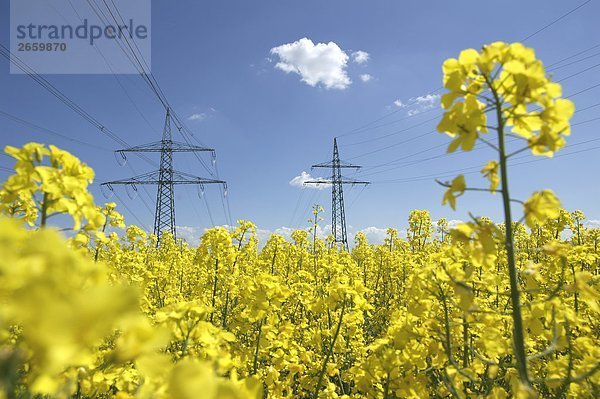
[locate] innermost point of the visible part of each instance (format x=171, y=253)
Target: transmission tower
x=166, y=177
x=337, y=181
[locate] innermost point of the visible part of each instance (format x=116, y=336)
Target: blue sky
x=269, y=123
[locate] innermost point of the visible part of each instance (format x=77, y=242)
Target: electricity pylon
x=337, y=181
x=166, y=177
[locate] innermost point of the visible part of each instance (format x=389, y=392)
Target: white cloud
x=321, y=63
x=593, y=224
x=360, y=57
x=299, y=181
x=263, y=236
x=419, y=104
x=427, y=99
x=197, y=117
x=375, y=235
x=190, y=234
x=200, y=113
x=323, y=231
x=285, y=231
x=453, y=223
x=365, y=77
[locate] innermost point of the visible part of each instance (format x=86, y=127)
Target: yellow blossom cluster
x=507, y=80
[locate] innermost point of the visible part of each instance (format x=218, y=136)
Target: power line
x=196, y=211
x=357, y=197
x=315, y=199
x=113, y=74
x=395, y=132
x=30, y=72
x=383, y=148
x=556, y=20
x=225, y=200
x=364, y=127
x=210, y=216
x=135, y=56
x=579, y=73
x=141, y=197
x=470, y=170
x=49, y=131
x=66, y=100
x=302, y=191
x=305, y=208
x=584, y=90
x=588, y=121
x=572, y=63
x=588, y=107
x=124, y=24
x=131, y=212
x=478, y=146
x=433, y=109
x=574, y=55
x=392, y=145
x=57, y=93
x=141, y=64
x=124, y=44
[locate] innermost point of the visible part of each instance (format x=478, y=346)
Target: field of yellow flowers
x=483, y=310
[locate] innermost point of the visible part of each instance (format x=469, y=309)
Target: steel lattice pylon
x=337, y=181
x=164, y=216
x=165, y=178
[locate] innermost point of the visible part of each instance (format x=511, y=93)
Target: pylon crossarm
x=330, y=165
x=349, y=180
x=317, y=182
x=341, y=181
x=183, y=177
x=154, y=178
x=355, y=182
x=146, y=178
x=173, y=146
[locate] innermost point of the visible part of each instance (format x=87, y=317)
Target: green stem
x=44, y=210
x=190, y=328
x=256, y=349
x=330, y=351
x=386, y=388
x=314, y=248
x=518, y=329
x=273, y=261
x=465, y=359
x=225, y=311
x=158, y=296
x=575, y=293
x=214, y=291
x=98, y=243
